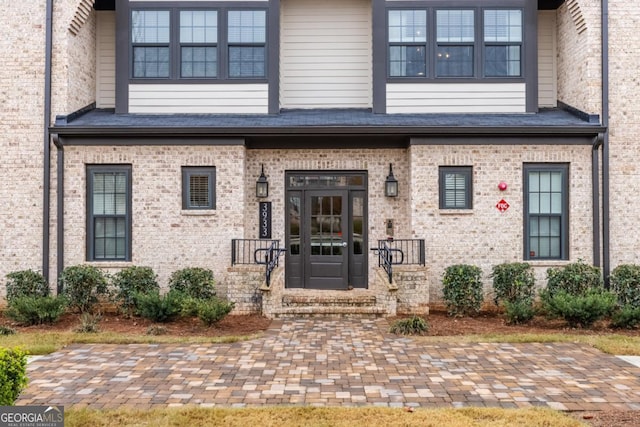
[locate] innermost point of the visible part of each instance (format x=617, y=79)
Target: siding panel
x=106, y=59
x=199, y=99
x=456, y=98
x=325, y=54
x=547, y=74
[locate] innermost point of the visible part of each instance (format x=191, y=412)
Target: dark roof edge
x=589, y=118
x=549, y=4
x=63, y=120
x=202, y=132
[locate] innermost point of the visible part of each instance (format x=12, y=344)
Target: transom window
x=546, y=211
x=435, y=42
x=199, y=44
x=109, y=213
x=455, y=187
x=198, y=187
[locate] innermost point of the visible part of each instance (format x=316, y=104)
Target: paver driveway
x=334, y=362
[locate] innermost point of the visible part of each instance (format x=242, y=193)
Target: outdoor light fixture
x=391, y=184
x=262, y=185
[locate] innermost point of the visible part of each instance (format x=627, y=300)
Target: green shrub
x=519, y=312
x=575, y=279
x=581, y=310
x=414, y=325
x=26, y=283
x=189, y=305
x=213, y=310
x=159, y=308
x=13, y=374
x=131, y=281
x=625, y=282
x=627, y=317
x=513, y=282
x=462, y=288
x=36, y=310
x=195, y=282
x=84, y=286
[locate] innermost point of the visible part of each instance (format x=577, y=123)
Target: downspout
x=595, y=187
x=606, y=261
x=60, y=205
x=46, y=185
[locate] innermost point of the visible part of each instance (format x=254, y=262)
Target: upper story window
x=150, y=34
x=435, y=42
x=455, y=43
x=198, y=44
x=503, y=43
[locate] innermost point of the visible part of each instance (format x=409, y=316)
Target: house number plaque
x=265, y=220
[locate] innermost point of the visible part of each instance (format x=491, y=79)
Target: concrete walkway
x=334, y=362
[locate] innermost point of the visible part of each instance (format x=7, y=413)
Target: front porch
x=398, y=284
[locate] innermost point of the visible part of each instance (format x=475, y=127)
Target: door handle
x=344, y=244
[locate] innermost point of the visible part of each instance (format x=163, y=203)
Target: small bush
x=575, y=279
x=195, y=282
x=519, y=312
x=159, y=308
x=5, y=330
x=156, y=330
x=581, y=310
x=26, y=283
x=213, y=310
x=36, y=310
x=189, y=305
x=89, y=323
x=462, y=287
x=414, y=325
x=84, y=286
x=627, y=317
x=13, y=374
x=513, y=282
x=131, y=281
x=625, y=282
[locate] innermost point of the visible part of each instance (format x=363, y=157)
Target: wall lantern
x=502, y=186
x=262, y=185
x=391, y=184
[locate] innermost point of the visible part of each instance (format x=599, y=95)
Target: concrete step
x=330, y=311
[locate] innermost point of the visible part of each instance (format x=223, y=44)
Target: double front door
x=326, y=227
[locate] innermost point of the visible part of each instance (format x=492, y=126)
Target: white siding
x=106, y=59
x=547, y=70
x=199, y=99
x=456, y=98
x=325, y=59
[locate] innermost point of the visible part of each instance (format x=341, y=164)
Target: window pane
x=454, y=61
x=197, y=26
x=151, y=62
x=199, y=191
x=150, y=26
x=545, y=203
x=247, y=26
x=502, y=61
x=199, y=62
x=503, y=26
x=455, y=26
x=246, y=61
x=407, y=61
x=546, y=214
x=407, y=25
x=545, y=181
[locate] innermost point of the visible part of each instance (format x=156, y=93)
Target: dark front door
x=326, y=223
x=324, y=226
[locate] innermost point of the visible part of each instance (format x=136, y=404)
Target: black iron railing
x=398, y=252
x=257, y=251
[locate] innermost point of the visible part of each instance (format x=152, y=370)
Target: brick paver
x=327, y=362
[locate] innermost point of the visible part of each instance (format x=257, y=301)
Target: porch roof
x=100, y=123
